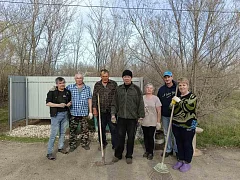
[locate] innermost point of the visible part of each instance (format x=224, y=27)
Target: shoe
x=129, y=160
x=63, y=151
x=71, y=149
x=145, y=154
x=150, y=157
x=51, y=157
x=104, y=147
x=115, y=159
x=86, y=147
x=167, y=154
x=177, y=165
x=185, y=167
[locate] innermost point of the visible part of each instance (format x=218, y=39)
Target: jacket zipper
x=125, y=104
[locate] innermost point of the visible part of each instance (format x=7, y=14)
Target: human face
x=183, y=88
x=78, y=79
x=127, y=80
x=149, y=90
x=104, y=77
x=60, y=85
x=168, y=80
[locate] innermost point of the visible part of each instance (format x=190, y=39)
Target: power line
x=117, y=7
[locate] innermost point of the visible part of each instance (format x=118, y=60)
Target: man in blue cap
x=165, y=94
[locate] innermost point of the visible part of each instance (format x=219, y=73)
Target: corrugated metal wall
x=17, y=98
x=38, y=88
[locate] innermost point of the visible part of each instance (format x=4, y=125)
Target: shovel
x=103, y=162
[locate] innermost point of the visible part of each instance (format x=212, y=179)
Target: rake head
x=161, y=168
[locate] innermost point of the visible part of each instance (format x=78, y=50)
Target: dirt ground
x=24, y=161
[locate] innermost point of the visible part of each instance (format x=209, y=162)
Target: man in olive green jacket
x=128, y=105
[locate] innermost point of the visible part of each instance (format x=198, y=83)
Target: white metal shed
x=27, y=95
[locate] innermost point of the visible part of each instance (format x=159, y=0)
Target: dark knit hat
x=127, y=73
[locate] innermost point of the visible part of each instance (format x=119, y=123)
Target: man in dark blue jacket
x=165, y=94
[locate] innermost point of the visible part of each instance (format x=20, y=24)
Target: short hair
x=104, y=71
x=77, y=74
x=59, y=79
x=149, y=84
x=183, y=80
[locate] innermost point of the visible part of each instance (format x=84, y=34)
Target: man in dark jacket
x=106, y=89
x=165, y=94
x=59, y=100
x=129, y=106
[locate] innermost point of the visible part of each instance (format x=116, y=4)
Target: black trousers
x=106, y=120
x=148, y=134
x=184, y=139
x=124, y=126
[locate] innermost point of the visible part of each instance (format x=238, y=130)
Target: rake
x=103, y=162
x=161, y=168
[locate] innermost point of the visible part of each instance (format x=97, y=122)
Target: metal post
x=26, y=101
x=10, y=103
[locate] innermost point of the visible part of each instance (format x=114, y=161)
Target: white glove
x=177, y=99
x=90, y=115
x=158, y=126
x=114, y=120
x=140, y=121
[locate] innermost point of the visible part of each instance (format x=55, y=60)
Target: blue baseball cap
x=167, y=73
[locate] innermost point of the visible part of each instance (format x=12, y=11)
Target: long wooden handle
x=100, y=129
x=169, y=128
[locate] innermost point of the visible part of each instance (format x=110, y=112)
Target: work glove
x=158, y=126
x=176, y=99
x=140, y=121
x=173, y=102
x=113, y=119
x=90, y=115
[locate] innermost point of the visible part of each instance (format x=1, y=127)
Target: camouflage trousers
x=84, y=132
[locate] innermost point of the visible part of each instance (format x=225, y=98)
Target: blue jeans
x=58, y=124
x=171, y=144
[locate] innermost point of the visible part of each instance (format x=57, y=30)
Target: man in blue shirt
x=81, y=110
x=165, y=94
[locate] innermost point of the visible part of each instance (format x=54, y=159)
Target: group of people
x=122, y=108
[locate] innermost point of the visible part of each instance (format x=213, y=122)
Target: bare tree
x=59, y=19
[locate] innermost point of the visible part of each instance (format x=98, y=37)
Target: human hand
x=113, y=119
x=176, y=99
x=69, y=104
x=95, y=112
x=90, y=115
x=140, y=121
x=158, y=126
x=62, y=105
x=173, y=102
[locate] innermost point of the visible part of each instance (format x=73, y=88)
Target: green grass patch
x=23, y=139
x=220, y=135
x=3, y=115
x=221, y=129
